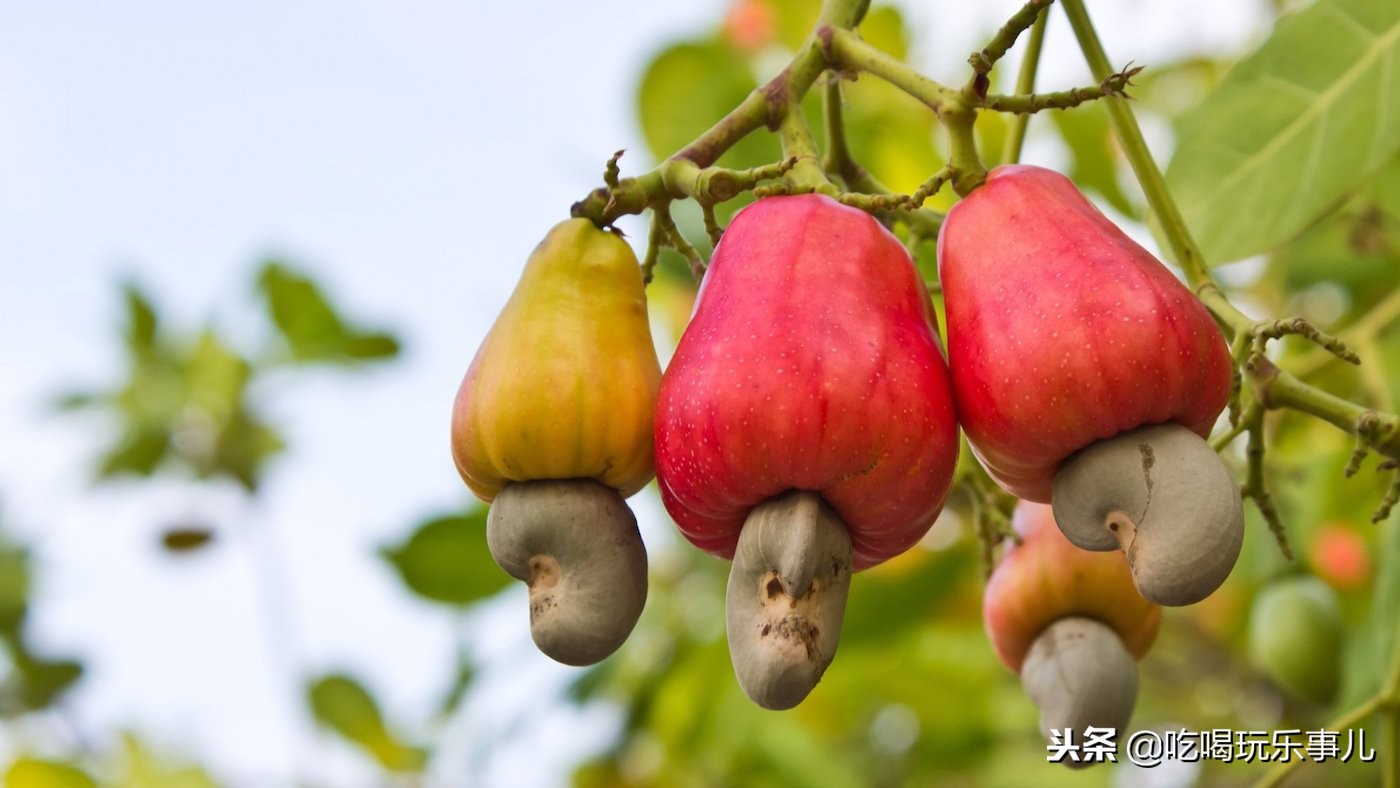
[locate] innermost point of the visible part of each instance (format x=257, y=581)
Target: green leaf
x=313, y=328
x=1291, y=129
x=141, y=320
x=138, y=452
x=76, y=400
x=343, y=705
x=301, y=312
x=143, y=768
x=1385, y=189
x=1369, y=655
x=794, y=20
x=371, y=346
x=446, y=560
x=14, y=586
x=1093, y=151
x=883, y=28
x=29, y=772
x=461, y=683
x=686, y=89
x=38, y=681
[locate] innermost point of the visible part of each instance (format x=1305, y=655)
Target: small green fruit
x=1295, y=637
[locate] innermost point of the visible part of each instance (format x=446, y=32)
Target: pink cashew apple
x=804, y=427
x=1070, y=623
x=1087, y=376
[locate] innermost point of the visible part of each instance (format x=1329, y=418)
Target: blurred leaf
x=42, y=680
x=461, y=683
x=35, y=773
x=890, y=133
x=140, y=321
x=446, y=560
x=795, y=19
x=1352, y=248
x=1094, y=153
x=312, y=327
x=145, y=769
x=342, y=704
x=883, y=28
x=186, y=539
x=14, y=586
x=888, y=601
x=1284, y=137
x=686, y=89
x=76, y=400
x=1369, y=655
x=1385, y=189
x=139, y=452
x=371, y=346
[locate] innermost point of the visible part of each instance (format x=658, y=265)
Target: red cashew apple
x=1087, y=376
x=804, y=427
x=1069, y=622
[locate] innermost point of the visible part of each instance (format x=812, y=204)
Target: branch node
x=611, y=172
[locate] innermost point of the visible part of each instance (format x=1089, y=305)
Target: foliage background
x=242, y=546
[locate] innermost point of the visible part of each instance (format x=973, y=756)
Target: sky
x=409, y=155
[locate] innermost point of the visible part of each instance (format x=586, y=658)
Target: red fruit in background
x=1045, y=578
x=811, y=363
x=1063, y=331
x=1340, y=556
x=1087, y=376
x=750, y=25
x=1069, y=622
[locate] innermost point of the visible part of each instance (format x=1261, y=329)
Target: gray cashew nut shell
x=576, y=544
x=1163, y=496
x=786, y=597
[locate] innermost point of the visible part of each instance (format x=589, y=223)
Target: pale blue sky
x=411, y=154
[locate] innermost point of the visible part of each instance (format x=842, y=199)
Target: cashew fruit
x=564, y=384
x=1069, y=623
x=1295, y=637
x=1046, y=578
x=1088, y=376
x=553, y=426
x=806, y=420
x=811, y=363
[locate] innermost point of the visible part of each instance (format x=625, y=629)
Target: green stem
x=839, y=162
x=838, y=156
x=1360, y=332
x=983, y=61
x=1030, y=103
x=1276, y=388
x=763, y=107
x=847, y=51
x=1154, y=186
x=1025, y=83
x=963, y=161
x=806, y=174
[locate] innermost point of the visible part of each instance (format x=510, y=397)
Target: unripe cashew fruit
x=1064, y=335
x=1046, y=578
x=1295, y=637
x=1069, y=622
x=553, y=423
x=811, y=364
x=1079, y=675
